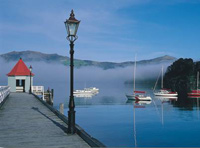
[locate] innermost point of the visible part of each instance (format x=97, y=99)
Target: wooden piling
x=62, y=108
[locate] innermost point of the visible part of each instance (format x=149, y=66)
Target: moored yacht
x=142, y=96
x=195, y=93
x=163, y=91
x=137, y=95
x=89, y=92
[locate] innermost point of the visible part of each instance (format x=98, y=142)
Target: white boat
x=92, y=89
x=142, y=97
x=83, y=92
x=168, y=98
x=86, y=92
x=137, y=95
x=163, y=91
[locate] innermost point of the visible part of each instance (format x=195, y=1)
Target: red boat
x=195, y=93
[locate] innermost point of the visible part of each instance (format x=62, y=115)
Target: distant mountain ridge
x=29, y=56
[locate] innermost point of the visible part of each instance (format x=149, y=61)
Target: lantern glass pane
x=72, y=29
x=66, y=25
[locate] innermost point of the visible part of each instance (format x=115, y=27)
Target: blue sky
x=110, y=30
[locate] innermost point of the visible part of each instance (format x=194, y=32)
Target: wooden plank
x=25, y=122
x=85, y=136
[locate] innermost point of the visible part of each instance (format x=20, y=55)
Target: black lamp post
x=30, y=68
x=71, y=26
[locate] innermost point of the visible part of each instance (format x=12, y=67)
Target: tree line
x=181, y=76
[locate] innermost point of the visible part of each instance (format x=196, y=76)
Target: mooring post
x=52, y=95
x=62, y=108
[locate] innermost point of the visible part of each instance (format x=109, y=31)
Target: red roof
x=20, y=69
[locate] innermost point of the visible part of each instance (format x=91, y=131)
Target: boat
x=83, y=92
x=163, y=91
x=195, y=93
x=138, y=103
x=137, y=95
x=86, y=92
x=141, y=96
x=168, y=98
x=92, y=89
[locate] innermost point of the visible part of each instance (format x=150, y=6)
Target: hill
x=33, y=56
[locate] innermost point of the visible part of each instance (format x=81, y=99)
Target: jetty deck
x=26, y=122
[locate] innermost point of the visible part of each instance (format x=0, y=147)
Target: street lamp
x=71, y=26
x=30, y=68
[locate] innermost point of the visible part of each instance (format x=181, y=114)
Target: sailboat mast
x=197, y=80
x=134, y=73
x=162, y=79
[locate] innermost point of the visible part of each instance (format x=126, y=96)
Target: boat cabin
x=19, y=77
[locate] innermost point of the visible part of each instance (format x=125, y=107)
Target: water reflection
x=136, y=104
x=117, y=121
x=85, y=95
x=197, y=104
x=186, y=103
x=164, y=100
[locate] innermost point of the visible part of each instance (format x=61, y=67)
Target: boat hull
x=143, y=98
x=193, y=94
x=166, y=94
x=130, y=97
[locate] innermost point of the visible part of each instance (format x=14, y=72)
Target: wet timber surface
x=26, y=122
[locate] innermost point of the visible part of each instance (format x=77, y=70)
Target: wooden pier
x=27, y=121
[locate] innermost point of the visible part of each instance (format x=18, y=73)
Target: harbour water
x=116, y=122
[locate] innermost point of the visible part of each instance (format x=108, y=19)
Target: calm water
x=112, y=119
x=109, y=117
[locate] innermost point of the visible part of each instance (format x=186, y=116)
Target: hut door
x=17, y=82
x=23, y=85
x=20, y=85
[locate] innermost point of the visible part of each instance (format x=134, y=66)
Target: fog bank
x=57, y=73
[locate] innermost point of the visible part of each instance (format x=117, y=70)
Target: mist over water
x=57, y=76
x=109, y=113
x=4, y=70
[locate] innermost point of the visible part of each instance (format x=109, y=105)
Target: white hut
x=19, y=77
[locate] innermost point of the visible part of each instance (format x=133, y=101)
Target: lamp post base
x=71, y=122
